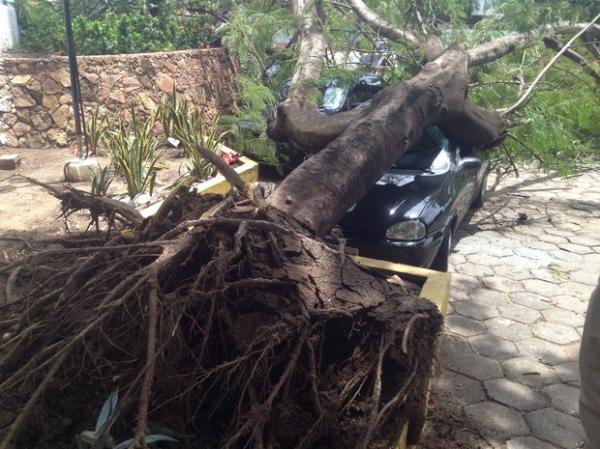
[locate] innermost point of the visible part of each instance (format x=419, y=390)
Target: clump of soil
x=234, y=330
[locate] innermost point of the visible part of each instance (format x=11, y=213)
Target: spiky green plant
x=96, y=127
x=133, y=148
x=168, y=106
x=185, y=122
x=102, y=180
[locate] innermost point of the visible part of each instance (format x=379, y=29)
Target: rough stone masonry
x=35, y=99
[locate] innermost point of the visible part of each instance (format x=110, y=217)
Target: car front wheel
x=480, y=198
x=441, y=261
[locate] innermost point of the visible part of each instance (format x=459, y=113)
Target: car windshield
x=333, y=98
x=429, y=154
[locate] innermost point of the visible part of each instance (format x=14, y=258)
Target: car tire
x=480, y=199
x=441, y=261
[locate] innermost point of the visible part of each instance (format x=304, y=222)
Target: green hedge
x=42, y=26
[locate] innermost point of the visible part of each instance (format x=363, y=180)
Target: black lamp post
x=74, y=72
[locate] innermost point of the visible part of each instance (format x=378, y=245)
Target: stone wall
x=35, y=95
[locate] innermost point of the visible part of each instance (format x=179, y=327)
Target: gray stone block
x=555, y=333
x=508, y=329
x=493, y=347
x=450, y=345
x=558, y=428
x=544, y=351
x=572, y=303
x=520, y=313
x=502, y=284
x=528, y=443
x=475, y=366
x=562, y=316
x=529, y=371
x=514, y=395
x=490, y=297
x=80, y=170
x=564, y=398
x=532, y=300
x=496, y=421
x=568, y=372
x=475, y=310
x=455, y=388
x=463, y=326
x=10, y=161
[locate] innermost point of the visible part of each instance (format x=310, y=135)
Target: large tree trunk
x=320, y=190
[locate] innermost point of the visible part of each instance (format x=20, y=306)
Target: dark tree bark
x=319, y=191
x=359, y=145
x=554, y=44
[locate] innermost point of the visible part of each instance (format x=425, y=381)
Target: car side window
x=441, y=163
x=466, y=151
x=358, y=95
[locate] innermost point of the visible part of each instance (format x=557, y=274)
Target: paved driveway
x=523, y=270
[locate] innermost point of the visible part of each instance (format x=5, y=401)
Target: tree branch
x=497, y=48
x=589, y=40
x=419, y=18
x=312, y=49
x=430, y=44
x=521, y=101
x=554, y=44
x=222, y=167
x=407, y=37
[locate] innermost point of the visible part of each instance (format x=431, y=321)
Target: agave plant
x=133, y=148
x=96, y=127
x=102, y=180
x=167, y=108
x=188, y=125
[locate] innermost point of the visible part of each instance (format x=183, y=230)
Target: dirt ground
x=27, y=211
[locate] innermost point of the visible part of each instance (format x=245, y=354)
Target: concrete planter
x=248, y=171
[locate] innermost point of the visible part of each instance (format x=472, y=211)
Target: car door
x=463, y=187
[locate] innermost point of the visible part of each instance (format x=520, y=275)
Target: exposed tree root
x=236, y=330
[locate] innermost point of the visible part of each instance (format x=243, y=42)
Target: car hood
x=398, y=195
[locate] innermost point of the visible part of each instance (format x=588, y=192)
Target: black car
x=338, y=97
x=410, y=215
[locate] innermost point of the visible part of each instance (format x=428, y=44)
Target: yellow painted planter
x=248, y=171
x=435, y=287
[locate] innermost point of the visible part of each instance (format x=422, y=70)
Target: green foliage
x=42, y=25
x=133, y=149
x=102, y=180
x=134, y=32
x=118, y=27
x=186, y=122
x=96, y=126
x=556, y=124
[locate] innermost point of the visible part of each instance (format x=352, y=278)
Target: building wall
x=9, y=30
x=35, y=95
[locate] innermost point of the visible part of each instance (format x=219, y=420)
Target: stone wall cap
x=45, y=57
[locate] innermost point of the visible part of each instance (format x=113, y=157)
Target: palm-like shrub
x=133, y=149
x=185, y=122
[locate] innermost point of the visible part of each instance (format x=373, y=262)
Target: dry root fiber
x=235, y=330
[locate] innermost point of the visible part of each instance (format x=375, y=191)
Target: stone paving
x=522, y=272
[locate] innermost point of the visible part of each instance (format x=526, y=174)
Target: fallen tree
x=229, y=320
x=255, y=333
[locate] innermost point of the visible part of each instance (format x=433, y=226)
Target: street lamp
x=81, y=169
x=74, y=72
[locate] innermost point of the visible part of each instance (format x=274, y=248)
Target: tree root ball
x=234, y=330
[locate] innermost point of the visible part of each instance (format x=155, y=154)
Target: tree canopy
x=558, y=127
